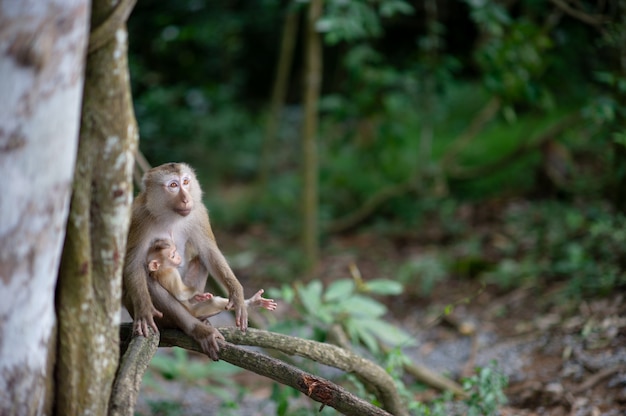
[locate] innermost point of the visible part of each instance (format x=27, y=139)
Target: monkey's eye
x=172, y=185
x=185, y=181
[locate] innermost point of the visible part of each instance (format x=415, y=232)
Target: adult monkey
x=170, y=206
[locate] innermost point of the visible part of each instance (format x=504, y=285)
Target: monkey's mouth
x=184, y=211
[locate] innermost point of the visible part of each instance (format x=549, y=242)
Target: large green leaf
x=361, y=306
x=311, y=296
x=338, y=290
x=389, y=333
x=384, y=287
x=360, y=331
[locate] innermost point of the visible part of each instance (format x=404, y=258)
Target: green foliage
x=201, y=77
x=486, y=391
x=350, y=306
x=165, y=408
x=203, y=121
x=582, y=245
x=512, y=55
x=356, y=20
x=217, y=376
x=424, y=272
x=282, y=396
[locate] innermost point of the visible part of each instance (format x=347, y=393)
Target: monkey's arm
x=136, y=297
x=236, y=300
x=215, y=261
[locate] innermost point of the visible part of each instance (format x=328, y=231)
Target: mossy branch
x=319, y=389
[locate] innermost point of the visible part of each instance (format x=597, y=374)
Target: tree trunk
x=279, y=92
x=312, y=84
x=42, y=44
x=90, y=284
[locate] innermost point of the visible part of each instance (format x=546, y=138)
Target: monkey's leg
x=208, y=308
x=173, y=283
x=176, y=315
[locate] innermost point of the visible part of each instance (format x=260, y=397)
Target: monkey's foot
x=203, y=297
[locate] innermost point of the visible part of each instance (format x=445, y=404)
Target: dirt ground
x=559, y=361
x=561, y=357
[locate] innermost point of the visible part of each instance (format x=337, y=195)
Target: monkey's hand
x=259, y=301
x=208, y=338
x=145, y=320
x=237, y=304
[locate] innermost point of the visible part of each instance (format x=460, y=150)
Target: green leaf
x=362, y=332
x=384, y=287
x=389, y=333
x=391, y=7
x=338, y=290
x=311, y=296
x=361, y=306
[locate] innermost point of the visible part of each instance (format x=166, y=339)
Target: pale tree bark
x=42, y=47
x=312, y=85
x=89, y=292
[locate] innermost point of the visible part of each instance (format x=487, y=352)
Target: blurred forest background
x=435, y=113
x=471, y=142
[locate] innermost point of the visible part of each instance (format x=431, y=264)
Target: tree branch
x=460, y=172
x=136, y=355
x=370, y=206
x=105, y=31
x=317, y=388
x=373, y=376
x=590, y=19
x=367, y=208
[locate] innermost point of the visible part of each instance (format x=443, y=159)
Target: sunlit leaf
x=448, y=309
x=339, y=289
x=310, y=296
x=384, y=287
x=361, y=306
x=364, y=333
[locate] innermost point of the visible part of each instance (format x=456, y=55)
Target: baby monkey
x=163, y=261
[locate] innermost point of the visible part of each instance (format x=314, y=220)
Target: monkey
x=162, y=262
x=170, y=205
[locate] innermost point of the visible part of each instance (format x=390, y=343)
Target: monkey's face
x=178, y=188
x=173, y=256
x=171, y=188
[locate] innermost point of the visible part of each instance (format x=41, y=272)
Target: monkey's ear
x=153, y=266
